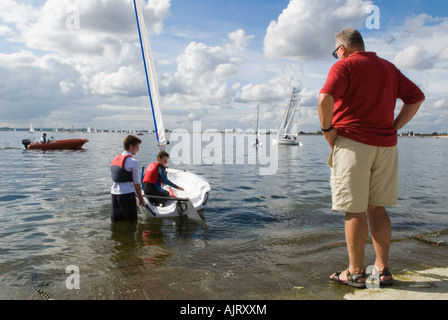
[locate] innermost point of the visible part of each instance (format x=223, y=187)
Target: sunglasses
x=335, y=52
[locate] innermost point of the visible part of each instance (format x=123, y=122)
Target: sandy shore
x=429, y=284
x=419, y=265
x=420, y=272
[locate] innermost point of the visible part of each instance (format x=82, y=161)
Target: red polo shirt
x=365, y=89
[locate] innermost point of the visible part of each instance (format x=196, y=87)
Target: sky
x=78, y=63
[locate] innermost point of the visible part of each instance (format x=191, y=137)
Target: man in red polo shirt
x=356, y=110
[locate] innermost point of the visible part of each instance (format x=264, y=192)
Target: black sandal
x=386, y=273
x=352, y=279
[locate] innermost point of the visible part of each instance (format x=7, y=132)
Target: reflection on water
x=262, y=233
x=138, y=245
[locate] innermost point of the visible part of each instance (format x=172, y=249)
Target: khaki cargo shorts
x=362, y=175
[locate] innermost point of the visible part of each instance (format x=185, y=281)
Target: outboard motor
x=26, y=143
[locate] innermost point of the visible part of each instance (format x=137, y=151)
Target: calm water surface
x=263, y=234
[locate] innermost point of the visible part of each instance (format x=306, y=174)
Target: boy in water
x=126, y=186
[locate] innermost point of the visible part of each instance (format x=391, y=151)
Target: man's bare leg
x=380, y=230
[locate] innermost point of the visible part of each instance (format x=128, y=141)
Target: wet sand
x=418, y=265
x=429, y=284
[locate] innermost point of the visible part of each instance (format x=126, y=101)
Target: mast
x=257, y=135
x=151, y=77
x=295, y=101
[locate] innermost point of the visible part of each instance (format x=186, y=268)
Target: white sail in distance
x=287, y=124
x=151, y=76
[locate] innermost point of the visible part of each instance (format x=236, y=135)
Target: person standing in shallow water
x=356, y=110
x=126, y=182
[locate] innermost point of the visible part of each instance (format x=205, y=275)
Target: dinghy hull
x=196, y=194
x=73, y=144
x=286, y=142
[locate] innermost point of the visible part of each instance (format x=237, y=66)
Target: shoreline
x=418, y=265
x=425, y=277
x=428, y=284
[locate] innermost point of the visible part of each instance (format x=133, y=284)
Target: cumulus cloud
x=443, y=54
x=440, y=103
x=414, y=57
x=87, y=49
x=78, y=26
x=33, y=86
x=238, y=40
x=4, y=30
x=202, y=70
x=123, y=82
x=17, y=14
x=275, y=90
x=306, y=28
x=421, y=42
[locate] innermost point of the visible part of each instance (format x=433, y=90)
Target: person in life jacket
x=126, y=182
x=44, y=139
x=155, y=177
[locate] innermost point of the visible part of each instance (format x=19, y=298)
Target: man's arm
x=139, y=194
x=134, y=168
x=326, y=108
x=406, y=114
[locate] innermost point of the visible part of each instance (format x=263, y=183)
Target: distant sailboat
x=196, y=188
x=257, y=143
x=31, y=128
x=286, y=134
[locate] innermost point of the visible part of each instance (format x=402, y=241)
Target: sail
x=258, y=115
x=287, y=124
x=151, y=76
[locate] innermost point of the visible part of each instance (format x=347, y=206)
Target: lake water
x=264, y=237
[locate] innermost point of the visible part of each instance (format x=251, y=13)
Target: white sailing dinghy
x=287, y=132
x=197, y=189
